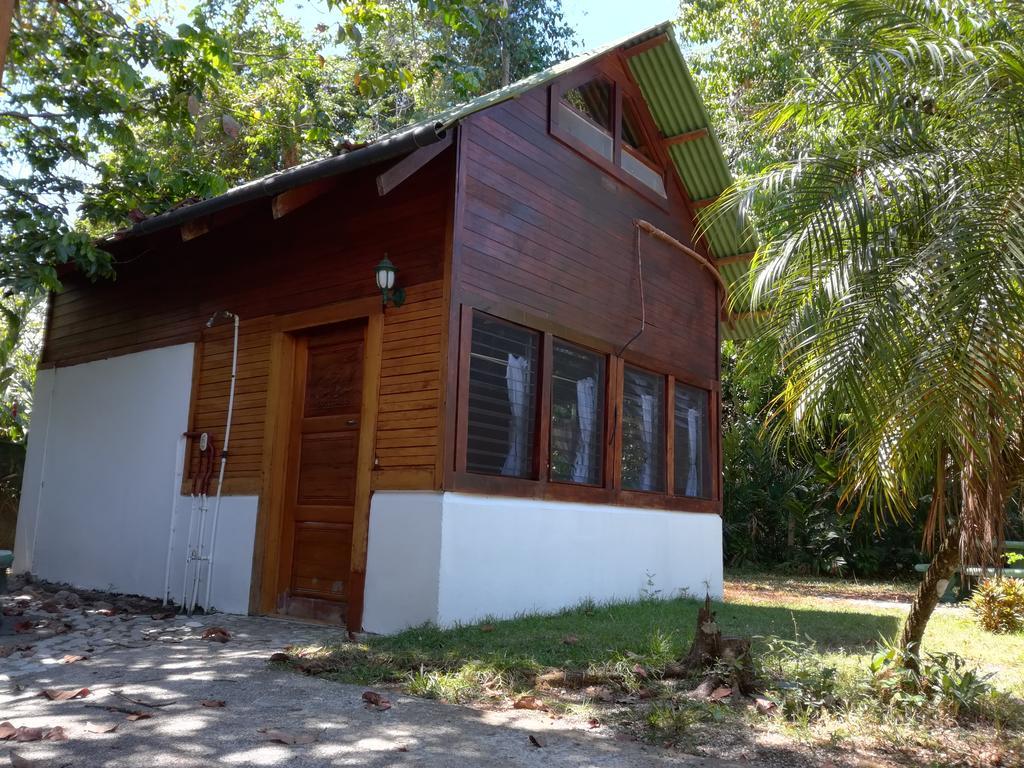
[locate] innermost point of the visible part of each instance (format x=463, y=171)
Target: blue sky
x=600, y=21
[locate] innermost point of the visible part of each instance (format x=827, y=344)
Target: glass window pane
x=593, y=100
x=643, y=173
x=692, y=441
x=503, y=364
x=502, y=397
x=643, y=431
x=577, y=414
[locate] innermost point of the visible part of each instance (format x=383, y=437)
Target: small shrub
x=800, y=684
x=903, y=680
x=998, y=605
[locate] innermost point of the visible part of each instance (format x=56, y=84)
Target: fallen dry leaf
x=537, y=740
x=764, y=706
x=720, y=693
x=646, y=693
x=594, y=722
x=288, y=737
x=71, y=659
x=376, y=701
x=20, y=761
x=570, y=640
x=639, y=671
x=279, y=656
x=20, y=627
x=53, y=694
x=55, y=734
x=216, y=634
x=529, y=702
x=7, y=730
x=101, y=727
x=212, y=703
x=164, y=615
x=133, y=716
x=29, y=734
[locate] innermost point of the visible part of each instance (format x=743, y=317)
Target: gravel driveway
x=163, y=670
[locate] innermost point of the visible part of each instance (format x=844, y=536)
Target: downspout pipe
x=377, y=152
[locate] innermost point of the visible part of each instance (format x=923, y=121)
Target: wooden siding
x=547, y=231
x=263, y=269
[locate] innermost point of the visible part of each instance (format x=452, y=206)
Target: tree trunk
x=6, y=14
x=506, y=54
x=932, y=587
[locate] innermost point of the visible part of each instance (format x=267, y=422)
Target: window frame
x=666, y=413
x=458, y=478
x=621, y=92
x=603, y=432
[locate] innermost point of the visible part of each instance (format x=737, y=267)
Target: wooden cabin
x=528, y=418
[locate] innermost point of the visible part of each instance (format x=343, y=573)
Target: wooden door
x=320, y=495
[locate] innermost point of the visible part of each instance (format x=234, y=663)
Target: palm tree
x=892, y=265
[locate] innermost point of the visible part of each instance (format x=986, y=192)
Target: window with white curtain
x=643, y=430
x=503, y=363
x=692, y=466
x=577, y=414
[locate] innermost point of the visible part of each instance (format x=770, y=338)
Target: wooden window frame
x=543, y=487
x=620, y=91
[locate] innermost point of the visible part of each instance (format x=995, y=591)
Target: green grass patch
x=627, y=645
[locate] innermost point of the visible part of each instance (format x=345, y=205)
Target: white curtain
x=586, y=405
x=692, y=419
x=516, y=372
x=647, y=440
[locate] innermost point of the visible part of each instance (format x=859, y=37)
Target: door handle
x=352, y=422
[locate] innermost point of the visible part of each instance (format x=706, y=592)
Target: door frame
x=265, y=585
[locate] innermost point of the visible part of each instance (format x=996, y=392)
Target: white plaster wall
x=403, y=560
x=32, y=477
x=232, y=562
x=102, y=480
x=456, y=558
x=503, y=556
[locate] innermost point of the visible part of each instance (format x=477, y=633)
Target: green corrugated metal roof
x=677, y=108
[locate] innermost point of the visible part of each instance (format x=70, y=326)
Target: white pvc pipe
x=179, y=471
x=223, y=464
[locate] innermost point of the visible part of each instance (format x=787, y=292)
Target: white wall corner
x=403, y=560
x=232, y=561
x=32, y=476
x=99, y=487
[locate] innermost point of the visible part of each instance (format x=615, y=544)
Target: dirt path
x=167, y=664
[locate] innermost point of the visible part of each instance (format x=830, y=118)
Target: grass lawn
x=495, y=661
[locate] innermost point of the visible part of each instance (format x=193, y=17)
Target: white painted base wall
x=102, y=478
x=449, y=558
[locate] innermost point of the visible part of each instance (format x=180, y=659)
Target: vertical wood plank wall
x=545, y=230
x=260, y=268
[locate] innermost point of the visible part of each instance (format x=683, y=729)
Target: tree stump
x=725, y=660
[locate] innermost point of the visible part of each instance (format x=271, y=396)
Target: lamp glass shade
x=386, y=274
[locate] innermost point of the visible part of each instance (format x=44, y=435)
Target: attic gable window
x=594, y=117
x=586, y=113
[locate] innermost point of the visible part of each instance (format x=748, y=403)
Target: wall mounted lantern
x=386, y=275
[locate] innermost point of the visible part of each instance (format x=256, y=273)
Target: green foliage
x=907, y=682
x=800, y=683
x=998, y=605
x=744, y=55
x=80, y=76
x=781, y=503
x=891, y=258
